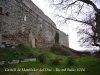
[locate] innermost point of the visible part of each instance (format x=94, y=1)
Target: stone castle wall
x=22, y=21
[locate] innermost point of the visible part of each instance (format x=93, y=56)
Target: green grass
x=91, y=64
x=14, y=53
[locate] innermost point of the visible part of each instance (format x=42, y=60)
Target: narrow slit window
x=0, y=10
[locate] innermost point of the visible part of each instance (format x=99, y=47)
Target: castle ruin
x=21, y=21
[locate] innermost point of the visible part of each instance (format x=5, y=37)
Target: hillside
x=52, y=64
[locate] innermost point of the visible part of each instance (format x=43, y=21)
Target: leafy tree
x=86, y=13
x=57, y=38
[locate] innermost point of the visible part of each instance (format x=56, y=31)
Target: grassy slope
x=14, y=53
x=91, y=64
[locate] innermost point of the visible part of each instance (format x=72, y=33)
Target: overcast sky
x=70, y=30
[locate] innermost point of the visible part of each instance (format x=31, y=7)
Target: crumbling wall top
x=33, y=7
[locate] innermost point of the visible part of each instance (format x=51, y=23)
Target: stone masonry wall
x=22, y=21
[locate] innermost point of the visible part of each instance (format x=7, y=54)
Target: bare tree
x=88, y=33
x=85, y=12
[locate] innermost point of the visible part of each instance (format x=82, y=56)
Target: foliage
x=82, y=62
x=14, y=53
x=31, y=55
x=10, y=60
x=55, y=61
x=56, y=38
x=70, y=61
x=97, y=54
x=21, y=58
x=42, y=58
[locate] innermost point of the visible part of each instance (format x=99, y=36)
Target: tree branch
x=91, y=3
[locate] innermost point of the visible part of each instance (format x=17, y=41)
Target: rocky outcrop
x=22, y=21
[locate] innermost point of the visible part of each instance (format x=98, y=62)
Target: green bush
x=70, y=61
x=42, y=58
x=31, y=55
x=55, y=61
x=21, y=59
x=10, y=60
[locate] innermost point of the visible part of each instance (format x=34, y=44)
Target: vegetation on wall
x=56, y=38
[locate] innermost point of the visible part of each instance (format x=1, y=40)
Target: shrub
x=24, y=50
x=21, y=59
x=31, y=55
x=55, y=61
x=97, y=53
x=22, y=54
x=70, y=61
x=10, y=60
x=42, y=58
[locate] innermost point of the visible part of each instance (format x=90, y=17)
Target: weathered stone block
x=25, y=60
x=32, y=59
x=13, y=62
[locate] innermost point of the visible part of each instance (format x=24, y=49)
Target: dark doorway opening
x=0, y=10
